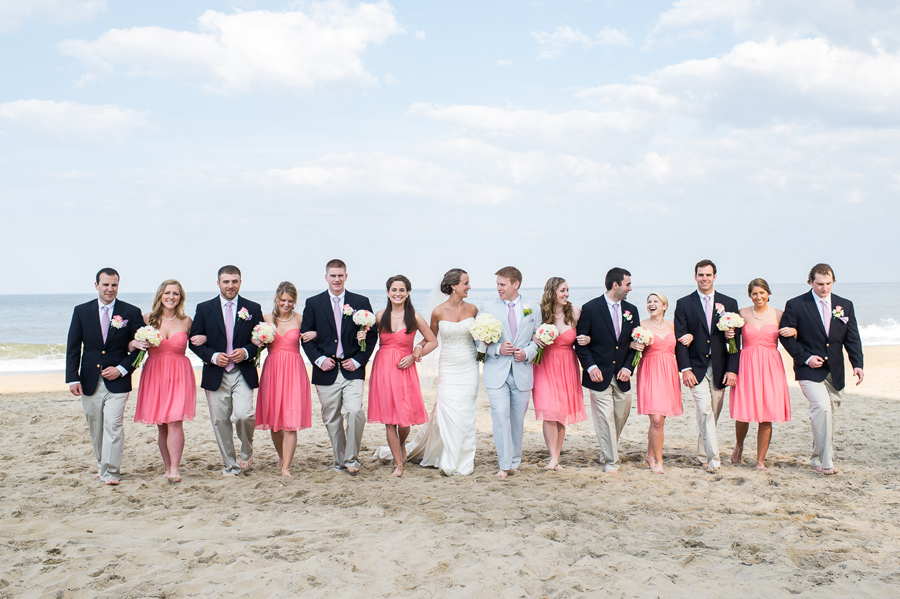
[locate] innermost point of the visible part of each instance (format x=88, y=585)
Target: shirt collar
x=609, y=302
x=341, y=296
x=818, y=299
x=224, y=301
x=711, y=296
x=111, y=305
x=514, y=302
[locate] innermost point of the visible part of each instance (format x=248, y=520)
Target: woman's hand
x=257, y=343
x=406, y=362
x=729, y=333
x=198, y=340
x=637, y=346
x=135, y=345
x=583, y=339
x=308, y=336
x=686, y=340
x=418, y=352
x=537, y=341
x=361, y=336
x=787, y=332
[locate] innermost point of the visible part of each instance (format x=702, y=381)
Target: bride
x=447, y=441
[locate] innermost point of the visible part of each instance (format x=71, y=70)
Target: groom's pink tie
x=513, y=326
x=826, y=321
x=617, y=320
x=708, y=311
x=338, y=315
x=104, y=323
x=229, y=334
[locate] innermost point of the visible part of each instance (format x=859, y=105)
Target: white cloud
x=14, y=12
x=420, y=34
x=69, y=120
x=553, y=44
x=236, y=52
x=504, y=62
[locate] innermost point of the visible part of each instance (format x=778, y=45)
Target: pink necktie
x=617, y=322
x=513, y=327
x=104, y=322
x=229, y=334
x=708, y=301
x=825, y=320
x=338, y=315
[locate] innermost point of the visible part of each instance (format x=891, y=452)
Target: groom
x=703, y=359
x=99, y=367
x=609, y=321
x=229, y=374
x=339, y=363
x=826, y=325
x=507, y=367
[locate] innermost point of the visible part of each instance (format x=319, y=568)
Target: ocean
x=33, y=328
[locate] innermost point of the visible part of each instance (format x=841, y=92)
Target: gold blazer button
x=103, y=352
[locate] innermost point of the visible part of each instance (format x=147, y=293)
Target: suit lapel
x=219, y=315
x=94, y=319
x=813, y=307
x=606, y=317
x=328, y=306
x=698, y=304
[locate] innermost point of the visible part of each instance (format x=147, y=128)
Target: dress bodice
x=401, y=341
x=767, y=336
x=289, y=342
x=564, y=341
x=455, y=334
x=173, y=346
x=661, y=344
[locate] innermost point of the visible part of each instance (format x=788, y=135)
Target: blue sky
x=564, y=137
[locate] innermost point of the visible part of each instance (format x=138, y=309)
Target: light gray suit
x=508, y=383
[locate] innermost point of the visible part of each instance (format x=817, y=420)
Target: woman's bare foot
x=280, y=464
x=398, y=471
x=285, y=472
x=737, y=454
x=174, y=477
x=761, y=465
x=651, y=462
x=553, y=464
x=403, y=453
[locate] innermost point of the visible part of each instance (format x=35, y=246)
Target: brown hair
x=510, y=272
x=335, y=263
x=703, y=263
x=548, y=303
x=451, y=277
x=283, y=287
x=761, y=283
x=156, y=308
x=821, y=269
x=229, y=269
x=662, y=298
x=409, y=313
x=109, y=272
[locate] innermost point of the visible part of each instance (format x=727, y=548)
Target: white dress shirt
x=340, y=303
x=818, y=301
x=234, y=315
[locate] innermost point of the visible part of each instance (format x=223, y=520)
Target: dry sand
x=785, y=532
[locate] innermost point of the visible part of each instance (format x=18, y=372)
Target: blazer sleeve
x=733, y=361
x=532, y=347
x=135, y=321
x=204, y=352
x=584, y=328
x=852, y=341
x=310, y=348
x=629, y=357
x=73, y=348
x=256, y=317
x=792, y=344
x=682, y=356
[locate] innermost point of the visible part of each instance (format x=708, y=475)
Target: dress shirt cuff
x=73, y=383
x=122, y=370
x=214, y=358
x=320, y=360
x=590, y=368
x=246, y=354
x=683, y=370
x=355, y=363
x=807, y=360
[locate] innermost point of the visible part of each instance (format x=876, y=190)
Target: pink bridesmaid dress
x=284, y=401
x=394, y=393
x=557, y=391
x=658, y=386
x=761, y=392
x=168, y=390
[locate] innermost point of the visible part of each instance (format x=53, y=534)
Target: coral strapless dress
x=284, y=400
x=761, y=392
x=658, y=387
x=394, y=394
x=168, y=389
x=557, y=392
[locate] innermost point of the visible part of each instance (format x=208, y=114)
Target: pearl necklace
x=764, y=315
x=662, y=328
x=285, y=319
x=169, y=319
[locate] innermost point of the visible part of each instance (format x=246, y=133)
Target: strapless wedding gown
x=447, y=441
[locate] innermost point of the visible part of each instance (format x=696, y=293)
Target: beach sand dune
x=743, y=533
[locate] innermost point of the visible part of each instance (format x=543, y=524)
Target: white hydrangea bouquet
x=152, y=336
x=265, y=334
x=364, y=320
x=486, y=329
x=547, y=333
x=641, y=335
x=730, y=320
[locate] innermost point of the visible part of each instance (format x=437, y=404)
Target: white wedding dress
x=447, y=440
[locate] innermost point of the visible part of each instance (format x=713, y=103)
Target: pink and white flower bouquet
x=730, y=320
x=364, y=320
x=641, y=335
x=265, y=334
x=547, y=333
x=152, y=336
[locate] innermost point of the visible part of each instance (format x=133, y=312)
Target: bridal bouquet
x=486, y=329
x=265, y=334
x=547, y=333
x=365, y=320
x=641, y=335
x=152, y=336
x=730, y=320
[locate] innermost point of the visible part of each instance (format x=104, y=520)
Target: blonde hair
x=156, y=308
x=548, y=303
x=283, y=287
x=662, y=298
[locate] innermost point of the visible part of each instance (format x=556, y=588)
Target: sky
x=564, y=137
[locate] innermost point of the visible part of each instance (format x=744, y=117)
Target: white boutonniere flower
x=117, y=322
x=838, y=312
x=626, y=315
x=526, y=309
x=720, y=309
x=348, y=311
x=243, y=314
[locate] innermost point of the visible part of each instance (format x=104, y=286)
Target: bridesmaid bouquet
x=486, y=329
x=365, y=320
x=730, y=320
x=547, y=333
x=265, y=334
x=641, y=335
x=152, y=336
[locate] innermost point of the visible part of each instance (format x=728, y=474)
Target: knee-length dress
x=761, y=392
x=658, y=386
x=284, y=400
x=394, y=393
x=168, y=389
x=557, y=391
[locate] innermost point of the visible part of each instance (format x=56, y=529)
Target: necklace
x=662, y=328
x=398, y=317
x=169, y=319
x=286, y=319
x=763, y=316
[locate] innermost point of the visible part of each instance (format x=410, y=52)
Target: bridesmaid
x=761, y=392
x=558, y=396
x=284, y=401
x=395, y=398
x=167, y=394
x=658, y=385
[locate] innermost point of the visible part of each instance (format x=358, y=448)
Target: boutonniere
x=526, y=309
x=243, y=314
x=117, y=322
x=720, y=309
x=348, y=311
x=838, y=313
x=626, y=315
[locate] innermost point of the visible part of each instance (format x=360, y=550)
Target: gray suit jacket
x=496, y=366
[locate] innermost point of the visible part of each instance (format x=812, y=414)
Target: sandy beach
x=780, y=533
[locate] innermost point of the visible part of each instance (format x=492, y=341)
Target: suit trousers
x=610, y=409
x=708, y=403
x=105, y=414
x=508, y=407
x=232, y=403
x=344, y=418
x=824, y=399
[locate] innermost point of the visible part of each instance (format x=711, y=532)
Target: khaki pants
x=610, y=409
x=708, y=402
x=105, y=414
x=232, y=403
x=344, y=418
x=824, y=399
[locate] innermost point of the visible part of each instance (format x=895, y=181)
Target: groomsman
x=606, y=362
x=826, y=325
x=99, y=367
x=703, y=359
x=339, y=363
x=508, y=371
x=229, y=375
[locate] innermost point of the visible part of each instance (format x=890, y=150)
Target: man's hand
x=816, y=362
x=238, y=355
x=75, y=389
x=688, y=378
x=110, y=373
x=348, y=365
x=730, y=379
x=596, y=375
x=222, y=359
x=506, y=348
x=858, y=373
x=686, y=340
x=624, y=375
x=519, y=354
x=327, y=365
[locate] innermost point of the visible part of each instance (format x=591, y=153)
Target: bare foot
x=95, y=475
x=552, y=464
x=245, y=464
x=403, y=453
x=615, y=472
x=829, y=471
x=737, y=454
x=712, y=470
x=353, y=470
x=280, y=464
x=502, y=474
x=704, y=465
x=659, y=468
x=818, y=469
x=398, y=471
x=285, y=472
x=651, y=462
x=111, y=482
x=761, y=466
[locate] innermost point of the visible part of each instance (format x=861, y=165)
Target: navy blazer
x=605, y=351
x=803, y=314
x=318, y=316
x=209, y=321
x=84, y=334
x=707, y=346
